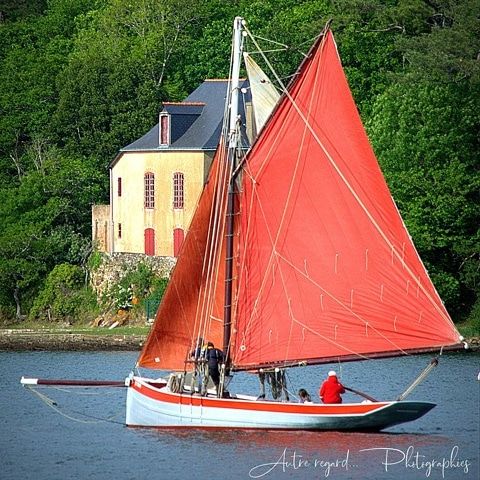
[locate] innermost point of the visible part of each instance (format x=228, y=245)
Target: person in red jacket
x=331, y=389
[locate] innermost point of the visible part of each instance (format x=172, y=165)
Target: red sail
x=191, y=303
x=326, y=266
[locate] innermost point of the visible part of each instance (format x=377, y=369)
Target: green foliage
x=15, y=9
x=474, y=318
x=94, y=261
x=449, y=52
x=125, y=62
x=426, y=139
x=134, y=286
x=152, y=301
x=45, y=221
x=63, y=296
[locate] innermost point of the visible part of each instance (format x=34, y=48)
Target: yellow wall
x=129, y=208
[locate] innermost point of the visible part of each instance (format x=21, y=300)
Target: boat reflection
x=308, y=443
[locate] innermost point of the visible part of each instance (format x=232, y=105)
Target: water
x=37, y=442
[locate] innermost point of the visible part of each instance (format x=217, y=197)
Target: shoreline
x=38, y=340
x=30, y=340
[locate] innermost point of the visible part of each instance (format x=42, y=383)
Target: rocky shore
x=18, y=340
x=26, y=339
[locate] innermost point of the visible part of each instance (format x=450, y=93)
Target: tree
x=431, y=165
x=122, y=66
x=63, y=296
x=45, y=221
x=32, y=53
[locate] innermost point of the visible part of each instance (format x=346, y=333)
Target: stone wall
x=113, y=267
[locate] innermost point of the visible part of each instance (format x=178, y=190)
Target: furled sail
x=192, y=304
x=327, y=268
x=264, y=95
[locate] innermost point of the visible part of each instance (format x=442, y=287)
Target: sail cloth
x=264, y=95
x=326, y=266
x=191, y=306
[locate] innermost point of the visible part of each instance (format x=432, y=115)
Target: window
x=149, y=190
x=119, y=186
x=178, y=236
x=178, y=190
x=164, y=125
x=119, y=230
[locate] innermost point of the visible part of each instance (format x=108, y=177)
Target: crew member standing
x=214, y=357
x=331, y=389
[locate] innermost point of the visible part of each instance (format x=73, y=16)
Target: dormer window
x=164, y=127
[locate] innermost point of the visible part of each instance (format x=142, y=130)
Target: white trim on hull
x=148, y=406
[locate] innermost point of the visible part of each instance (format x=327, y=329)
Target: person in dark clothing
x=214, y=357
x=331, y=389
x=304, y=396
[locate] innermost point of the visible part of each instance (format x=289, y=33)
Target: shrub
x=64, y=296
x=133, y=288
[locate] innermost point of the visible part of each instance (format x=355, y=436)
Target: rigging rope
x=54, y=406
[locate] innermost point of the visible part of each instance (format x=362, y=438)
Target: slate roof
x=195, y=124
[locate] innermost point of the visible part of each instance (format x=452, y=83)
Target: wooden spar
x=358, y=392
x=71, y=383
x=350, y=358
x=433, y=363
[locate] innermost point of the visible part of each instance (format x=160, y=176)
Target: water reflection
x=308, y=442
x=293, y=454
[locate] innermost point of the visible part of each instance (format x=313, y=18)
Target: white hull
x=149, y=406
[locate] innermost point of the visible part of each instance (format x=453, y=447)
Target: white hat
x=332, y=373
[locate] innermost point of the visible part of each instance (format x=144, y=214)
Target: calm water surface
x=85, y=437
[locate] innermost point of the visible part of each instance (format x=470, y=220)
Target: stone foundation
x=114, y=267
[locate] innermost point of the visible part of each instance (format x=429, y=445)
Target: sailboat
x=296, y=255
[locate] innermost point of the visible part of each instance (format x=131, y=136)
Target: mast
x=233, y=138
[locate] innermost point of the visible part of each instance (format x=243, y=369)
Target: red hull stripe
x=196, y=401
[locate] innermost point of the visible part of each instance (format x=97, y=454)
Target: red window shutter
x=178, y=236
x=119, y=186
x=119, y=230
x=149, y=241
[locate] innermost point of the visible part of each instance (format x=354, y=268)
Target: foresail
x=326, y=267
x=191, y=305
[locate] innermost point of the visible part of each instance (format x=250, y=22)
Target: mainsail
x=327, y=267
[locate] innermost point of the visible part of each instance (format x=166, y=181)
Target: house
x=155, y=181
